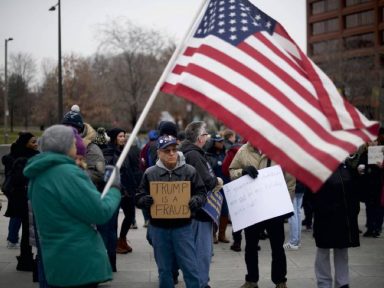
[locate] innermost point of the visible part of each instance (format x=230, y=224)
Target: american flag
x=243, y=67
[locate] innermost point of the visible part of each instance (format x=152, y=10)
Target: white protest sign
x=375, y=154
x=251, y=201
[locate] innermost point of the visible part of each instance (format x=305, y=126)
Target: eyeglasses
x=204, y=134
x=169, y=151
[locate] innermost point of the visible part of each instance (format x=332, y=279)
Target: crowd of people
x=53, y=185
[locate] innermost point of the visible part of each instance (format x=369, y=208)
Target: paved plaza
x=138, y=269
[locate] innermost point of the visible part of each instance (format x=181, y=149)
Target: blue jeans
x=295, y=220
x=13, y=229
x=175, y=244
x=202, y=232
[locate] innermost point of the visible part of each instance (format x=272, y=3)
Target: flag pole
x=152, y=98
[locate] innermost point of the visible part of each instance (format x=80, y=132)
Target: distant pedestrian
x=25, y=147
x=336, y=209
x=294, y=240
x=66, y=205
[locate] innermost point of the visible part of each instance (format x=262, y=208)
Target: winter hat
x=167, y=128
x=74, y=118
x=166, y=140
x=112, y=133
x=80, y=146
x=217, y=138
x=153, y=135
x=101, y=137
x=57, y=138
x=23, y=139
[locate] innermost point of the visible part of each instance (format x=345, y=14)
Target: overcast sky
x=35, y=29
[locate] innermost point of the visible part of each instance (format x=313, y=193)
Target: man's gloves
x=108, y=173
x=251, y=171
x=145, y=202
x=196, y=202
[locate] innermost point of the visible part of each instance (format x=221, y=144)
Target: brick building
x=346, y=39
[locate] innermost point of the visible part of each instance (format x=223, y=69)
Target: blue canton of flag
x=233, y=21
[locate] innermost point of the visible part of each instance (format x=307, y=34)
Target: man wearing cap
x=172, y=239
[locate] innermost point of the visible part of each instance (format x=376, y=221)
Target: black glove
x=145, y=202
x=108, y=173
x=251, y=171
x=196, y=202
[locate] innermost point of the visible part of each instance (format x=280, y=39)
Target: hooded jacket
x=66, y=204
x=181, y=172
x=196, y=157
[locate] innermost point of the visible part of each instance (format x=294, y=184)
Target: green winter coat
x=65, y=205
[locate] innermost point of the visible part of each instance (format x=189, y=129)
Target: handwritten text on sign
x=170, y=199
x=251, y=201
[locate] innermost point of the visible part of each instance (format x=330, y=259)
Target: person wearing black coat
x=336, y=209
x=25, y=147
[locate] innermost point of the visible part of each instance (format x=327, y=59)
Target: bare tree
x=136, y=65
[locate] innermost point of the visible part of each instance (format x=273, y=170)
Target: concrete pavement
x=138, y=269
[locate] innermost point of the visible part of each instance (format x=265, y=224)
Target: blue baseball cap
x=166, y=140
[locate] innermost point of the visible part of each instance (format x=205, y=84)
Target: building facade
x=346, y=39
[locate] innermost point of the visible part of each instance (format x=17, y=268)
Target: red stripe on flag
x=280, y=54
x=273, y=91
x=235, y=123
x=264, y=112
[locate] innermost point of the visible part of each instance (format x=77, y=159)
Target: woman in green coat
x=67, y=206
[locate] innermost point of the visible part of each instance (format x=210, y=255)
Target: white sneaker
x=290, y=246
x=11, y=245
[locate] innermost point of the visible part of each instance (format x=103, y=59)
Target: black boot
x=24, y=263
x=112, y=260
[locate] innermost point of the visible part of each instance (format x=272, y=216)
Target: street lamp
x=60, y=80
x=6, y=111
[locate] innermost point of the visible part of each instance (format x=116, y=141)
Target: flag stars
x=232, y=21
x=221, y=9
x=233, y=29
x=221, y=16
x=257, y=17
x=221, y=23
x=243, y=14
x=244, y=28
x=232, y=14
x=221, y=3
x=232, y=7
x=268, y=24
x=233, y=37
x=244, y=21
x=221, y=31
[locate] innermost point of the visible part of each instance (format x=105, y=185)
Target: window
x=355, y=2
x=319, y=48
x=318, y=7
x=321, y=27
x=359, y=19
x=324, y=6
x=359, y=41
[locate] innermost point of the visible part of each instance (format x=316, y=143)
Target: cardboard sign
x=251, y=201
x=213, y=206
x=375, y=154
x=170, y=199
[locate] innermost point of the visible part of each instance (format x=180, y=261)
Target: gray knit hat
x=57, y=138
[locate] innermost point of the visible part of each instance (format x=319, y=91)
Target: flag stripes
x=268, y=91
